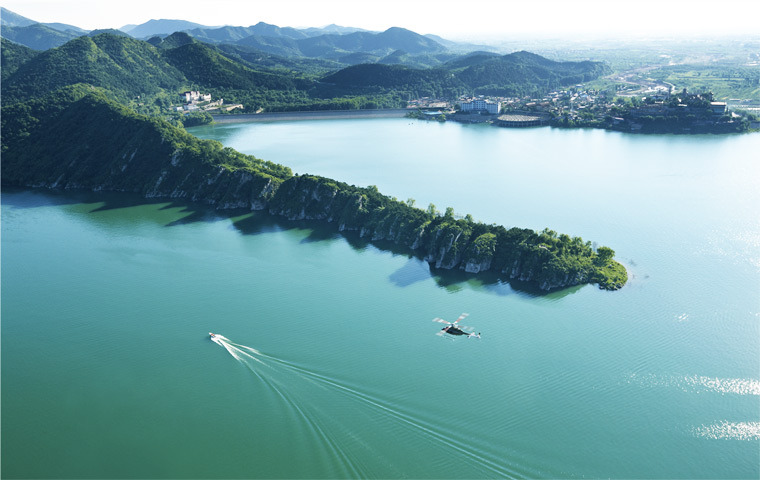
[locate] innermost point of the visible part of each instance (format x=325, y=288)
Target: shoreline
x=309, y=115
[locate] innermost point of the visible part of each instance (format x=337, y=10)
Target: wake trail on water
x=260, y=363
x=246, y=355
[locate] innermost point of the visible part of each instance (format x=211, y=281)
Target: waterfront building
x=480, y=105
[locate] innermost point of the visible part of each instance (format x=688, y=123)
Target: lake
x=332, y=368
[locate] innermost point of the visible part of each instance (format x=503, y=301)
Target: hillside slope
x=125, y=66
x=77, y=138
x=519, y=73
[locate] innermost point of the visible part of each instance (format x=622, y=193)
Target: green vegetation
x=13, y=56
x=723, y=81
x=196, y=118
x=76, y=137
x=515, y=74
x=147, y=76
x=545, y=258
x=679, y=113
x=127, y=68
x=85, y=127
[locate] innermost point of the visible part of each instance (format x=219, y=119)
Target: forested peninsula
x=76, y=137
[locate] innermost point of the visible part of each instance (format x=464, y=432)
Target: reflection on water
x=729, y=431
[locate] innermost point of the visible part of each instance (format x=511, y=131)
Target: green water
x=108, y=371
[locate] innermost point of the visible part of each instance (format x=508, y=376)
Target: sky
x=456, y=20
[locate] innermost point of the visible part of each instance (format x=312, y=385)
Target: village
x=661, y=110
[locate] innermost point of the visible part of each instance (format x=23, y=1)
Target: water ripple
x=729, y=431
x=700, y=384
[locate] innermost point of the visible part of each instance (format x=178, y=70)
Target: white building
x=480, y=105
x=718, y=107
x=192, y=97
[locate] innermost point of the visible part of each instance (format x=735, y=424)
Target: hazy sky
x=451, y=19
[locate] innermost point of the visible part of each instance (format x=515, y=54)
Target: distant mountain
x=268, y=30
x=472, y=58
x=290, y=42
x=159, y=27
x=331, y=29
x=282, y=46
x=37, y=36
x=383, y=43
x=11, y=19
x=425, y=60
x=390, y=77
x=176, y=39
x=63, y=27
x=204, y=65
x=232, y=34
x=515, y=74
x=356, y=58
x=111, y=31
x=257, y=59
x=30, y=33
x=510, y=74
x=460, y=47
x=402, y=39
x=226, y=34
x=229, y=34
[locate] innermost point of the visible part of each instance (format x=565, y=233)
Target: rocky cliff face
x=444, y=243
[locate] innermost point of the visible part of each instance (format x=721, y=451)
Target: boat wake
x=276, y=374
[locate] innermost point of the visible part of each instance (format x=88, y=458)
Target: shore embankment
x=312, y=115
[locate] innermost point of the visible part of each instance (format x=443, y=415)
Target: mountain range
x=148, y=74
x=268, y=67
x=346, y=45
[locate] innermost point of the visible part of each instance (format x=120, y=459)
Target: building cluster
x=661, y=110
x=195, y=101
x=193, y=97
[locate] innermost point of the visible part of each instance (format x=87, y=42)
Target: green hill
x=524, y=73
x=137, y=73
x=515, y=74
x=76, y=137
x=12, y=56
x=204, y=65
x=124, y=66
x=259, y=60
x=381, y=44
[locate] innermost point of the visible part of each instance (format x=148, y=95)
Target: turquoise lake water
x=108, y=371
